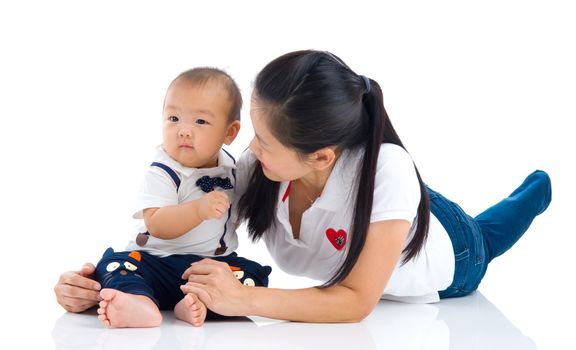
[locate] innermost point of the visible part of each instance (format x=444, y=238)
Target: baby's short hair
x=201, y=75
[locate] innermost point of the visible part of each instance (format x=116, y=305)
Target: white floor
x=466, y=323
x=526, y=301
x=482, y=93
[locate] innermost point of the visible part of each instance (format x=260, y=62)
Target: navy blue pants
x=160, y=278
x=476, y=241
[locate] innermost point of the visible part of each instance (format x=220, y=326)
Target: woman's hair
x=314, y=100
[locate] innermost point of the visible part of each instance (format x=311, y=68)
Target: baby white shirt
x=159, y=189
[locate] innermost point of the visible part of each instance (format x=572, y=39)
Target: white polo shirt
x=325, y=226
x=159, y=190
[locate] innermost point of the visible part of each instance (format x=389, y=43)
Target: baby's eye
x=201, y=121
x=173, y=118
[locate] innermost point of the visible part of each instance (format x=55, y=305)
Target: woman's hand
x=215, y=284
x=76, y=291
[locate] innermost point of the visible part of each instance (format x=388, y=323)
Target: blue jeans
x=476, y=241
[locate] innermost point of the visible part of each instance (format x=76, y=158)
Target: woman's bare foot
x=123, y=310
x=191, y=310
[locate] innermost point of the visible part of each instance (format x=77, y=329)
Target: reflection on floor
x=464, y=323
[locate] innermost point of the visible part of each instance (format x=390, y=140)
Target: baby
x=184, y=207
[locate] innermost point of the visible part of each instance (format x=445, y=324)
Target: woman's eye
x=173, y=118
x=201, y=121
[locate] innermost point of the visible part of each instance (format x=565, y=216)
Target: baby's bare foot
x=191, y=310
x=119, y=309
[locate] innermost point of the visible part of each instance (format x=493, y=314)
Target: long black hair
x=315, y=100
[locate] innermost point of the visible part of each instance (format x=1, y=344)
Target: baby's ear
x=232, y=132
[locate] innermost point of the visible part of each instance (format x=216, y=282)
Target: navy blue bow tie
x=207, y=183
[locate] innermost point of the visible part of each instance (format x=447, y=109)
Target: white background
x=481, y=93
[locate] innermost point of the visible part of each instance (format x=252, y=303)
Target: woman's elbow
x=362, y=310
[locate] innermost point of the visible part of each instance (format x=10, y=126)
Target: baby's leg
x=119, y=309
x=191, y=310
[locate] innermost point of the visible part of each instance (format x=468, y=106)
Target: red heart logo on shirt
x=337, y=238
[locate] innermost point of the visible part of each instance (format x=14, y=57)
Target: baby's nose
x=185, y=132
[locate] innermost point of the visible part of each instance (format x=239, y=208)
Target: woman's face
x=279, y=163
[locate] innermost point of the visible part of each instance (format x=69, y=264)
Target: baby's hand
x=213, y=205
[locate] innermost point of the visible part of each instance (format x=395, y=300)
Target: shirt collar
x=339, y=190
x=225, y=164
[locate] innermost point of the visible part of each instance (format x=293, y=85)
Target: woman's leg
x=470, y=260
x=505, y=222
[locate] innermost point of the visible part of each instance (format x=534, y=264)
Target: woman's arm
x=349, y=301
x=175, y=220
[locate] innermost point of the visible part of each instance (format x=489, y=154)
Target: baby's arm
x=175, y=220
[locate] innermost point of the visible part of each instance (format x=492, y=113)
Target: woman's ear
x=232, y=132
x=323, y=158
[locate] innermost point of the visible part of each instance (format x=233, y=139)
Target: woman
x=330, y=188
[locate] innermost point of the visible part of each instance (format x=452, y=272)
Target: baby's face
x=195, y=119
